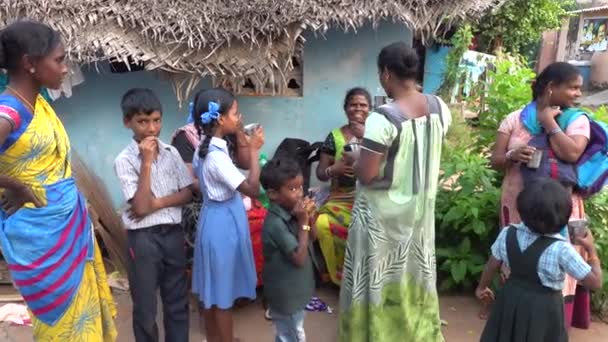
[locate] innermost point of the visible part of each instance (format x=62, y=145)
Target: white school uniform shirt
x=169, y=176
x=220, y=175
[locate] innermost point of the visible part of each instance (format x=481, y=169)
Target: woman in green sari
x=334, y=216
x=389, y=283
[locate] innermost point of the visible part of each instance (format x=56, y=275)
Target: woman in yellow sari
x=334, y=216
x=46, y=234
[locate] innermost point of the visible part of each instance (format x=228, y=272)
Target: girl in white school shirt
x=223, y=268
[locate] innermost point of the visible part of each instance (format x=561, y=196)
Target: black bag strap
x=394, y=115
x=392, y=112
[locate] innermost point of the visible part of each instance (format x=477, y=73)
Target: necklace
x=22, y=98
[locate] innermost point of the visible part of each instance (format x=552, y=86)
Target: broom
x=105, y=220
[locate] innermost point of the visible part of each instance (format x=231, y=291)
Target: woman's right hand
x=357, y=128
x=341, y=168
x=14, y=199
x=522, y=154
x=256, y=141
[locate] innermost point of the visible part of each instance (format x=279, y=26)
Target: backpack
x=550, y=165
x=303, y=152
x=592, y=166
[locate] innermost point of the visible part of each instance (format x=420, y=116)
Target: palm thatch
x=222, y=38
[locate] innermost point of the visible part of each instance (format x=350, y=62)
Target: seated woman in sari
x=46, y=234
x=334, y=216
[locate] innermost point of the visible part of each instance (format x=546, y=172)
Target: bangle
x=509, y=154
x=306, y=228
x=328, y=172
x=555, y=131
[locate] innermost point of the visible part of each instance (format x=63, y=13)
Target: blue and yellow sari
x=51, y=251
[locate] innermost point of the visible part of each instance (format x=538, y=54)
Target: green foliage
x=518, y=23
x=596, y=209
x=460, y=43
x=466, y=210
x=600, y=114
x=508, y=88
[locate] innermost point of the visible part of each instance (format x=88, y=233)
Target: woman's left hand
x=548, y=115
x=14, y=199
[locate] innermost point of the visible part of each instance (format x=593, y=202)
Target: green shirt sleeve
x=277, y=232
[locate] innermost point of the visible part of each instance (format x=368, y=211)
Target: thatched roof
x=230, y=38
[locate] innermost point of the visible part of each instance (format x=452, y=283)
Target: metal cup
x=577, y=228
x=250, y=128
x=534, y=163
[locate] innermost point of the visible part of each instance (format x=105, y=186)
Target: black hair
x=357, y=91
x=278, y=171
x=544, y=206
x=139, y=101
x=399, y=59
x=25, y=38
x=201, y=105
x=558, y=73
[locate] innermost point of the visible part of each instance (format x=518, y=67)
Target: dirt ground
x=460, y=312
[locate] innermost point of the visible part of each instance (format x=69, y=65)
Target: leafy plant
x=596, y=209
x=506, y=89
x=460, y=43
x=601, y=113
x=518, y=23
x=466, y=212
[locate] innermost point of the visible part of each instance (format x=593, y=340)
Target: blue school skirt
x=223, y=267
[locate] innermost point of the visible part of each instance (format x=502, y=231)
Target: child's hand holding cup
x=256, y=135
x=577, y=230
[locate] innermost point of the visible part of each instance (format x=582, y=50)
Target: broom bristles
x=105, y=219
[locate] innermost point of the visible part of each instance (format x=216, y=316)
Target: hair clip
x=211, y=114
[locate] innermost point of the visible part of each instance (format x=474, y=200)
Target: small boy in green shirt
x=288, y=271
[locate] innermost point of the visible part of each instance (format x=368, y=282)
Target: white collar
x=220, y=143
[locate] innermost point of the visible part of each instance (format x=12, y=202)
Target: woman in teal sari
x=389, y=285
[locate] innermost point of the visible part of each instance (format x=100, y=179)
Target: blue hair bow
x=211, y=114
x=190, y=113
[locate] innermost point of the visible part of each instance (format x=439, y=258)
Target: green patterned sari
x=389, y=284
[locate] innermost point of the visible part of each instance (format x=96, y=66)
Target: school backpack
x=550, y=165
x=303, y=152
x=592, y=166
x=590, y=172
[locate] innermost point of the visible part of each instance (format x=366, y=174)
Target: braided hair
x=558, y=73
x=224, y=99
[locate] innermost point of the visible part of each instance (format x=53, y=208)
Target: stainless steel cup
x=577, y=228
x=534, y=163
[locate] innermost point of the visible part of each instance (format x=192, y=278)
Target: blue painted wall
x=332, y=64
x=434, y=68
